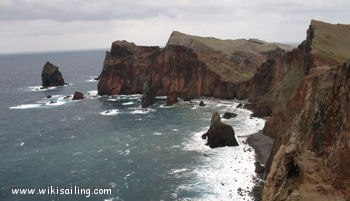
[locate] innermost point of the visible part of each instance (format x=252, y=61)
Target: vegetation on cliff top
x=199, y=43
x=331, y=42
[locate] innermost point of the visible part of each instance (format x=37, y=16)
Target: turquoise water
x=110, y=142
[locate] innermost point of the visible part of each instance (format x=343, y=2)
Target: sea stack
x=78, y=95
x=148, y=94
x=171, y=99
x=51, y=76
x=219, y=133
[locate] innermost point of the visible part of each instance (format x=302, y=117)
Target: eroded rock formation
x=181, y=69
x=219, y=133
x=171, y=99
x=229, y=115
x=307, y=98
x=78, y=96
x=305, y=92
x=148, y=94
x=51, y=76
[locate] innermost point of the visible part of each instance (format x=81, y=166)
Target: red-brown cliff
x=185, y=70
x=307, y=98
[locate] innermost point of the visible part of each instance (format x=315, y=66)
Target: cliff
x=304, y=91
x=234, y=60
x=306, y=94
x=185, y=70
x=174, y=69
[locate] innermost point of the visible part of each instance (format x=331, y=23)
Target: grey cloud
x=70, y=10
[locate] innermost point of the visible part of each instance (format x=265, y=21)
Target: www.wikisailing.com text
x=51, y=190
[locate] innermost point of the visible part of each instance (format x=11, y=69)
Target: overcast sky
x=38, y=25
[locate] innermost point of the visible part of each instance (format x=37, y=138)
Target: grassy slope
x=198, y=43
x=210, y=49
x=331, y=42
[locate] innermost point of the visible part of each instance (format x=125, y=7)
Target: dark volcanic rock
x=259, y=168
x=51, y=76
x=229, y=115
x=240, y=105
x=78, y=95
x=219, y=133
x=188, y=98
x=171, y=99
x=148, y=94
x=201, y=104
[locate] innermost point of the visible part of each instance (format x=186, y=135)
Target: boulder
x=219, y=133
x=148, y=94
x=188, y=98
x=171, y=99
x=259, y=169
x=51, y=76
x=229, y=115
x=240, y=105
x=202, y=104
x=78, y=95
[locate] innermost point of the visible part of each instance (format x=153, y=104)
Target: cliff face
x=234, y=60
x=305, y=93
x=307, y=99
x=174, y=69
x=187, y=70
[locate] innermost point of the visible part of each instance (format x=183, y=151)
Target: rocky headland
x=304, y=93
x=185, y=70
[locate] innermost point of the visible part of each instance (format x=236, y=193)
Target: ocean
x=110, y=142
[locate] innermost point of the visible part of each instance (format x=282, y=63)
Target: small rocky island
x=219, y=133
x=51, y=76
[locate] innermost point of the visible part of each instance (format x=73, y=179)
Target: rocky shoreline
x=262, y=146
x=304, y=92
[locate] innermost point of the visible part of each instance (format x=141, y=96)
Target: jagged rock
x=188, y=98
x=78, y=96
x=219, y=133
x=189, y=70
x=51, y=76
x=171, y=99
x=240, y=105
x=202, y=104
x=148, y=94
x=229, y=115
x=308, y=98
x=259, y=168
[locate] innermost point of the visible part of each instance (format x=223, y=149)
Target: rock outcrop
x=148, y=94
x=171, y=99
x=78, y=96
x=306, y=93
x=202, y=104
x=229, y=115
x=186, y=71
x=219, y=133
x=51, y=76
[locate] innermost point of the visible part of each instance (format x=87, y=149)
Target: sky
x=50, y=25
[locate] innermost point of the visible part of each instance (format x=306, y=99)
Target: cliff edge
x=189, y=71
x=305, y=93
